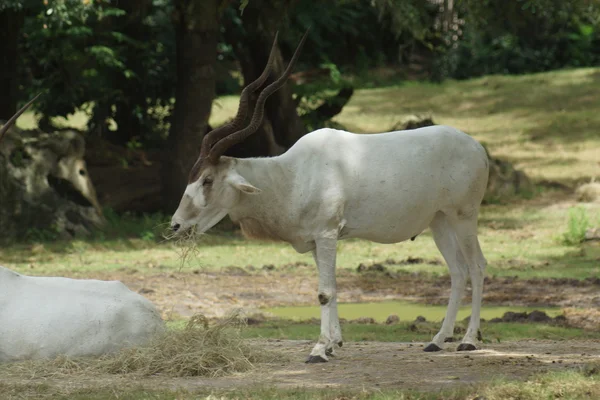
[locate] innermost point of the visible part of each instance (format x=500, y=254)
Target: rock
x=589, y=192
x=560, y=319
x=420, y=319
x=412, y=122
x=510, y=316
x=45, y=190
x=538, y=316
x=377, y=267
x=235, y=271
x=505, y=181
x=593, y=280
x=255, y=319
x=364, y=320
x=412, y=260
x=269, y=267
x=592, y=234
x=392, y=319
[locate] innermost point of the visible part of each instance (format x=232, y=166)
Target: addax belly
x=386, y=227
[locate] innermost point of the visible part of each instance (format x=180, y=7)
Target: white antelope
x=334, y=185
x=42, y=317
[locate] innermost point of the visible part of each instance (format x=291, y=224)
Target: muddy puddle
x=407, y=311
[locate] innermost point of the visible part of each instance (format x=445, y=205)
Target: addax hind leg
x=466, y=235
x=445, y=240
x=331, y=333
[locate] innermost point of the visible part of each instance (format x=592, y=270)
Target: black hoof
x=315, y=359
x=432, y=347
x=466, y=347
x=340, y=343
x=449, y=340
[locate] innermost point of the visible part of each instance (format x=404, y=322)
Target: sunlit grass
x=416, y=332
x=546, y=123
x=522, y=239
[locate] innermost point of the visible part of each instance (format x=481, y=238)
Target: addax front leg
x=331, y=334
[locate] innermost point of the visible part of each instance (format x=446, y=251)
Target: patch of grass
x=195, y=350
x=43, y=391
x=566, y=385
x=572, y=385
x=148, y=227
x=579, y=222
x=518, y=239
x=544, y=123
x=416, y=332
x=550, y=140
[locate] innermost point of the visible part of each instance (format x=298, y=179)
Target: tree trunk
x=130, y=113
x=282, y=126
x=196, y=25
x=11, y=21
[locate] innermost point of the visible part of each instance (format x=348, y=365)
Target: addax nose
x=175, y=227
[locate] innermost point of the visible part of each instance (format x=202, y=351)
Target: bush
x=578, y=224
x=521, y=36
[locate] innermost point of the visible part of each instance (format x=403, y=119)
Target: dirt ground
x=215, y=294
x=373, y=365
x=360, y=365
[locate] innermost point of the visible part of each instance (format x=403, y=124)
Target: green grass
x=546, y=123
x=571, y=385
x=523, y=238
x=579, y=222
x=416, y=332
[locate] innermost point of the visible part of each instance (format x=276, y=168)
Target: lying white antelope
x=334, y=185
x=42, y=317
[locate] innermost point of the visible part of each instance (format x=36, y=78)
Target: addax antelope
x=43, y=317
x=334, y=185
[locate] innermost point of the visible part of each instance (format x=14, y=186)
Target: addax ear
x=238, y=182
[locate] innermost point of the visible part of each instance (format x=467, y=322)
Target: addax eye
x=207, y=182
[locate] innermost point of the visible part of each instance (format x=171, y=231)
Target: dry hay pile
x=199, y=349
x=583, y=318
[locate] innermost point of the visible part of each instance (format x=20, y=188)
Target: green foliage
x=520, y=36
x=41, y=235
x=353, y=34
x=148, y=227
x=578, y=224
x=312, y=94
x=415, y=17
x=79, y=52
